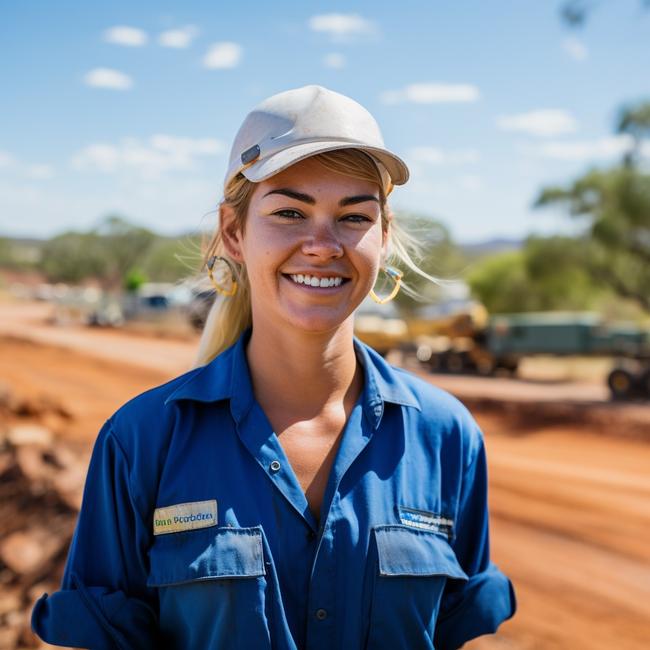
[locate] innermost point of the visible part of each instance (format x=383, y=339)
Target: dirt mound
x=41, y=482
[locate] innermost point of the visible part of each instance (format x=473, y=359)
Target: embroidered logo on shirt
x=185, y=516
x=426, y=520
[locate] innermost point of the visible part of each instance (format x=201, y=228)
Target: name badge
x=426, y=520
x=185, y=516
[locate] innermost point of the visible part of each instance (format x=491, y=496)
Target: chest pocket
x=206, y=554
x=209, y=581
x=412, y=569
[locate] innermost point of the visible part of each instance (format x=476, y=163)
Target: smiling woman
x=313, y=222
x=293, y=490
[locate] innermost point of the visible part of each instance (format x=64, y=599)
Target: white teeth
x=313, y=281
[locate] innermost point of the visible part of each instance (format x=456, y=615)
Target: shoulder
x=145, y=419
x=441, y=415
x=435, y=406
x=434, y=402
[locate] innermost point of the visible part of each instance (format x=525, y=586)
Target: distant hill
x=24, y=241
x=491, y=246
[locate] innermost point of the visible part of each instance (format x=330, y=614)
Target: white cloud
x=334, y=60
x=178, y=38
x=19, y=170
x=436, y=156
x=39, y=172
x=6, y=159
x=583, y=150
x=161, y=153
x=542, y=123
x=342, y=26
x=575, y=48
x=100, y=157
x=124, y=35
x=222, y=55
x=431, y=93
x=108, y=78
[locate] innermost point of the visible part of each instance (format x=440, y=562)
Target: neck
x=306, y=372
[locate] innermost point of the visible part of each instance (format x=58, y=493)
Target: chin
x=319, y=323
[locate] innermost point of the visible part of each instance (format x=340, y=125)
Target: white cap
x=299, y=123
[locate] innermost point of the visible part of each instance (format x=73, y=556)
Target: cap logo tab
x=250, y=154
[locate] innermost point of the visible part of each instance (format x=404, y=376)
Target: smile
x=315, y=281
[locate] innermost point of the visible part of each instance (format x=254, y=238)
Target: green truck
x=577, y=334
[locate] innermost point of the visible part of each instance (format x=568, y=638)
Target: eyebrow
x=305, y=198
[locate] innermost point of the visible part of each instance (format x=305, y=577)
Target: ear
x=230, y=232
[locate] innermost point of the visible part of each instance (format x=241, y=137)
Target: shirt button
x=321, y=614
x=275, y=466
x=311, y=535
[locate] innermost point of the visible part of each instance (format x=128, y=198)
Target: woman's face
x=312, y=246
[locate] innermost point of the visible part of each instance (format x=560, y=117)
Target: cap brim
x=271, y=165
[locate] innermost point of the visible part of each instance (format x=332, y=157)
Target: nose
x=323, y=242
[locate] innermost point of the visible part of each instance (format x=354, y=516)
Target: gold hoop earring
x=396, y=276
x=233, y=283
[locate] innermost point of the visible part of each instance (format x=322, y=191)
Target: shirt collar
x=227, y=377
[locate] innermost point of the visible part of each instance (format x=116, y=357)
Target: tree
x=123, y=246
x=169, y=260
x=546, y=274
x=634, y=120
x=133, y=280
x=108, y=253
x=500, y=282
x=72, y=257
x=616, y=205
x=575, y=13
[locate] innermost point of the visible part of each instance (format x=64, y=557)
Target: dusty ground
x=569, y=493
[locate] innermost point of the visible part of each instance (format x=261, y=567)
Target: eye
x=289, y=214
x=357, y=218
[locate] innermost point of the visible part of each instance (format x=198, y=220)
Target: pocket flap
x=405, y=551
x=206, y=554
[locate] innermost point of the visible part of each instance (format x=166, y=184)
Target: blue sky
x=130, y=108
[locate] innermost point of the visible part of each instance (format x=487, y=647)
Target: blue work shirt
x=400, y=559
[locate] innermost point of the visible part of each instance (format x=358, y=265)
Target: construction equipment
x=468, y=340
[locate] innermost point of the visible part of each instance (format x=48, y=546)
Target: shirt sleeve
x=103, y=601
x=479, y=605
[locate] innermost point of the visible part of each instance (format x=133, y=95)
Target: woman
x=293, y=490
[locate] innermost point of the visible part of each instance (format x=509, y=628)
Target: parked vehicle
x=470, y=341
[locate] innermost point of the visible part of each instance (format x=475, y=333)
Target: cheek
x=264, y=252
x=369, y=248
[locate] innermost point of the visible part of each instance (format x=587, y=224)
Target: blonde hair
x=230, y=316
